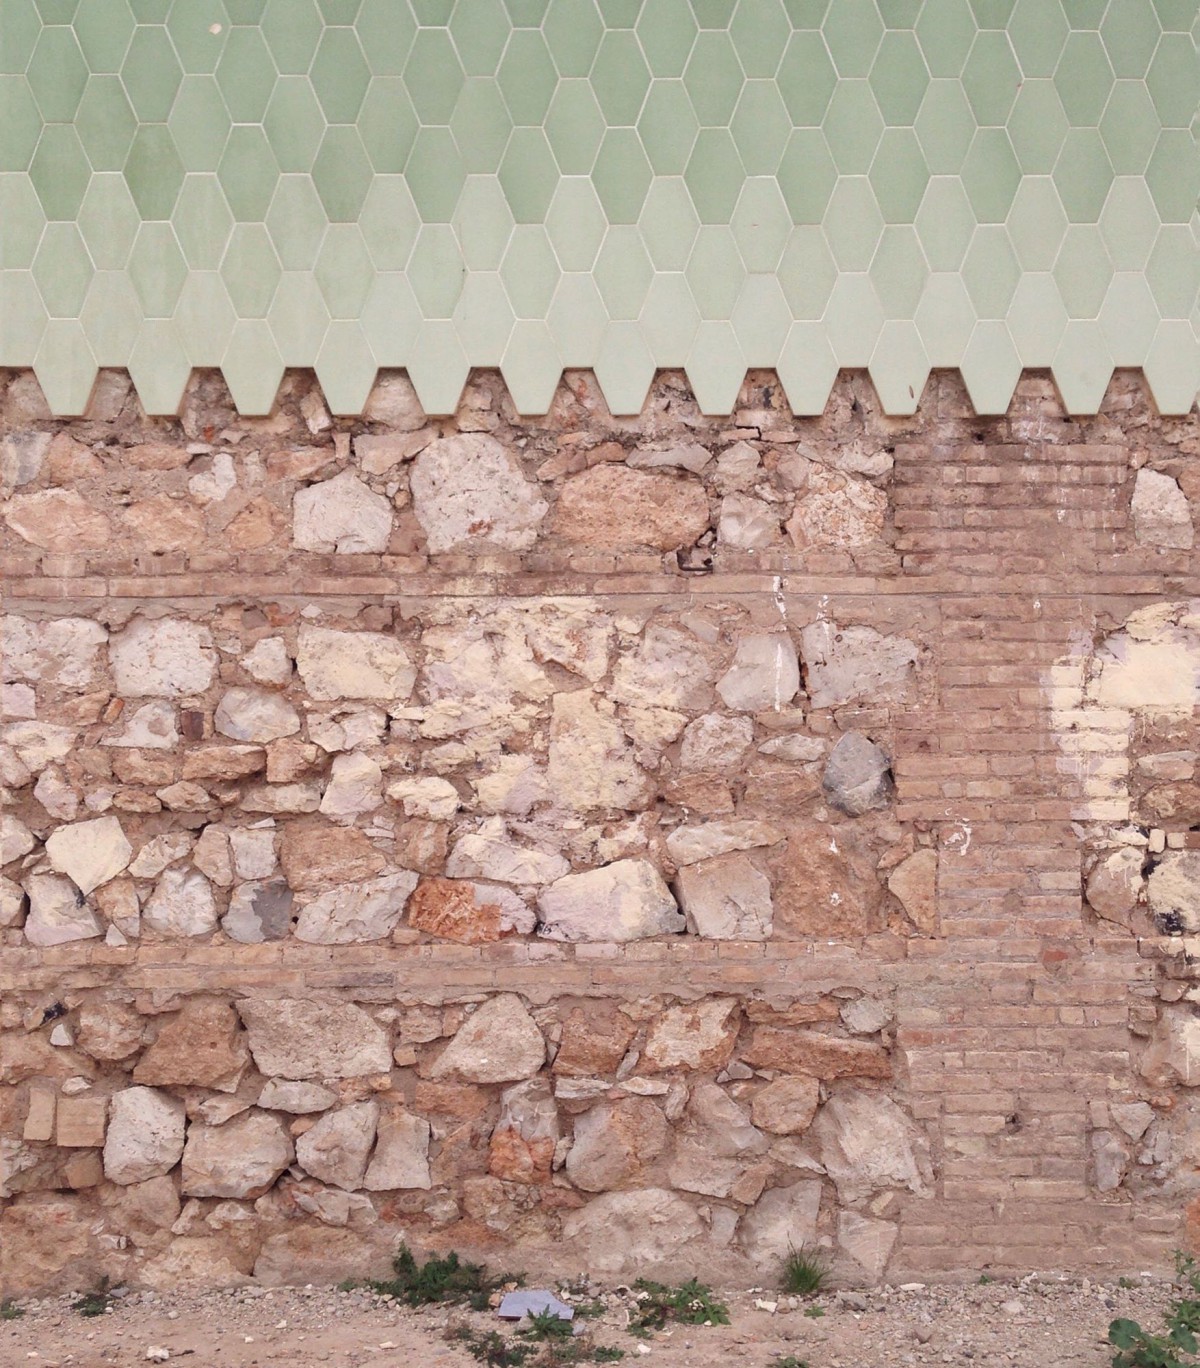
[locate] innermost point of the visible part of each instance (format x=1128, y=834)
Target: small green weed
x=1138, y=1348
x=814, y=1312
x=589, y=1309
x=804, y=1275
x=493, y=1349
x=544, y=1325
x=607, y=1353
x=10, y=1311
x=984, y=1279
x=94, y=1303
x=789, y=1361
x=554, y=1348
x=691, y=1303
x=1126, y=1283
x=438, y=1280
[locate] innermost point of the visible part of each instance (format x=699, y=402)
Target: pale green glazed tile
x=483, y=318
x=622, y=175
x=576, y=224
x=387, y=125
x=1036, y=223
x=1083, y=270
x=715, y=367
x=761, y=224
x=899, y=77
x=713, y=79
x=623, y=273
x=482, y=220
x=531, y=366
x=1129, y=223
x=151, y=73
x=620, y=77
x=1173, y=271
x=669, y=318
x=899, y=367
x=252, y=367
x=991, y=78
x=386, y=31
x=1038, y=32
x=248, y=172
x=1130, y=33
x=527, y=77
x=60, y=173
x=529, y=175
x=298, y=318
x=344, y=270
x=714, y=175
x=807, y=175
x=945, y=318
x=198, y=31
x=759, y=32
x=807, y=272
x=667, y=31
x=577, y=319
x=807, y=368
x=62, y=269
x=340, y=75
x=246, y=75
x=65, y=367
x=898, y=271
x=624, y=368
x=1173, y=176
x=990, y=368
x=203, y=222
x=111, y=317
x=807, y=78
x=761, y=128
x=480, y=32
x=1082, y=367
x=853, y=31
x=715, y=272
x=345, y=368
x=575, y=127
x=20, y=29
x=292, y=29
x=1037, y=127
x=1083, y=79
x=853, y=127
x=668, y=127
x=200, y=124
x=22, y=318
x=1037, y=319
x=157, y=269
x=761, y=320
x=944, y=127
x=250, y=270
x=205, y=318
x=990, y=174
x=1129, y=128
x=945, y=30
x=435, y=271
x=57, y=75
x=342, y=174
x=899, y=175
x=853, y=224
x=434, y=75
x=391, y=317
x=991, y=271
x=481, y=125
x=439, y=368
x=102, y=31
x=22, y=219
x=669, y=224
x=853, y=319
x=1129, y=317
x=1172, y=367
x=20, y=123
x=294, y=124
x=573, y=30
x=1083, y=175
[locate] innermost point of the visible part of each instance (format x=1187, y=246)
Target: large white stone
x=669, y=669
x=57, y=912
x=434, y=799
x=337, y=665
x=255, y=715
x=765, y=673
x=354, y=787
x=748, y=524
x=592, y=761
x=268, y=661
x=61, y=651
x=783, y=1219
x=182, y=904
x=688, y=845
x=848, y=663
x=837, y=511
x=240, y=1159
x=162, y=658
x=726, y=898
x=145, y=1135
x=38, y=744
x=468, y=492
x=867, y=1144
x=15, y=838
x=498, y=1043
x=295, y=1038
x=89, y=853
x=1161, y=516
x=12, y=902
x=624, y=901
x=868, y=1242
x=490, y=853
x=633, y=1232
x=401, y=1158
x=150, y=727
x=338, y=1146
x=714, y=742
x=365, y=911
x=343, y=515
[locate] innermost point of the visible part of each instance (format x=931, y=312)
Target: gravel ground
x=1043, y=1321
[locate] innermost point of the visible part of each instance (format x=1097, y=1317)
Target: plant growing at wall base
x=1179, y=1347
x=94, y=1303
x=804, y=1275
x=691, y=1303
x=9, y=1310
x=446, y=1279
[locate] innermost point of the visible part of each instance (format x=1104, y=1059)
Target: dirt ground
x=1040, y=1322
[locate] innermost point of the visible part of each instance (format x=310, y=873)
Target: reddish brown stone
x=813, y=1052
x=595, y=1038
x=202, y=1047
x=223, y=762
x=422, y=845
x=58, y=520
x=161, y=523
x=612, y=506
x=448, y=908
x=825, y=883
x=319, y=855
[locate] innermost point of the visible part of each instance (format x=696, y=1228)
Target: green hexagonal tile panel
x=712, y=184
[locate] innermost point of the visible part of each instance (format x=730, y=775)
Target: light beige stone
x=358, y=912
x=714, y=742
x=319, y=855
x=469, y=492
x=255, y=715
x=748, y=524
x=1161, y=516
x=268, y=661
x=914, y=883
x=57, y=912
x=240, y=1159
x=182, y=904
x=338, y=1146
x=611, y=506
x=341, y=515
x=592, y=762
x=109, y=1031
x=623, y=901
x=89, y=853
x=867, y=1145
x=689, y=845
x=623, y=1233
x=615, y=1143
x=336, y=665
x=162, y=657
x=1173, y=888
x=401, y=1158
x=354, y=787
x=694, y=1035
x=58, y=520
x=765, y=673
x=868, y=1242
x=435, y=799
x=726, y=898
x=837, y=511
x=145, y=1135
x=844, y=664
x=498, y=1043
x=490, y=853
x=15, y=838
x=786, y=1106
x=202, y=1047
x=298, y=1039
x=783, y=1219
x=60, y=651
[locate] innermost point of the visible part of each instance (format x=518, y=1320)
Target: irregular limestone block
x=354, y=786
x=858, y=776
x=611, y=506
x=621, y=1232
x=498, y=1043
x=89, y=853
x=358, y=912
x=61, y=651
x=490, y=853
x=786, y=1106
x=714, y=742
x=162, y=658
x=145, y=1135
x=15, y=838
x=294, y=1038
x=341, y=515
x=338, y=1146
x=259, y=911
x=848, y=663
x=814, y=1052
x=624, y=901
x=255, y=715
x=182, y=904
x=470, y=493
x=319, y=856
x=79, y=1122
x=914, y=883
x=1172, y=1054
x=694, y=1035
x=524, y=1140
x=268, y=661
x=200, y=1047
x=240, y=1159
x=12, y=903
x=669, y=669
x=57, y=912
x=467, y=912
x=58, y=520
x=615, y=1143
x=281, y=1094
x=1161, y=516
x=592, y=762
x=867, y=1241
x=783, y=1219
x=109, y=1031
x=748, y=524
x=765, y=673
x=838, y=512
x=726, y=898
x=336, y=665
x=1173, y=888
x=595, y=1038
x=401, y=1158
x=867, y=1144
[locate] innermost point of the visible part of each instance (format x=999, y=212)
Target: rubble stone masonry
x=633, y=845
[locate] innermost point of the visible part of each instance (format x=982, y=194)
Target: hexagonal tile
x=297, y=222
x=666, y=31
x=620, y=77
x=527, y=77
x=853, y=319
x=853, y=127
x=990, y=368
x=65, y=367
x=991, y=271
x=298, y=318
x=1037, y=319
x=574, y=127
x=57, y=75
x=1082, y=366
x=807, y=368
x=945, y=319
x=205, y=318
x=1129, y=223
x=60, y=172
x=577, y=319
x=102, y=32
x=531, y=367
x=1038, y=32
x=1173, y=176
x=105, y=123
x=21, y=122
x=1129, y=317
x=433, y=75
x=669, y=318
x=246, y=75
x=806, y=78
x=761, y=128
x=622, y=175
x=990, y=174
x=1083, y=175
x=668, y=127
x=945, y=31
x=110, y=318
x=761, y=223
x=480, y=31
x=203, y=221
x=248, y=172
x=386, y=31
x=344, y=270
x=715, y=273
x=1172, y=79
x=898, y=271
x=853, y=32
x=1130, y=33
x=294, y=124
x=292, y=29
x=387, y=125
x=759, y=30
x=1083, y=79
x=713, y=77
x=198, y=30
x=484, y=318
x=483, y=223
x=761, y=320
x=22, y=318
x=807, y=272
x=1172, y=367
x=340, y=75
x=807, y=176
x=157, y=269
x=342, y=173
x=391, y=318
x=252, y=367
x=853, y=223
x=151, y=74
x=899, y=77
x=715, y=367
x=899, y=175
x=624, y=369
x=1173, y=272
x=991, y=78
x=439, y=368
x=200, y=124
x=23, y=220
x=575, y=224
x=623, y=273
x=899, y=367
x=945, y=222
x=668, y=224
x=714, y=175
x=573, y=29
x=346, y=368
x=435, y=271
x=20, y=28
x=1037, y=127
x=251, y=270
x=1083, y=270
x=159, y=367
x=1129, y=128
x=1036, y=223
x=62, y=270
x=529, y=175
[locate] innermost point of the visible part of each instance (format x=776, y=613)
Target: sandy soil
x=1040, y=1322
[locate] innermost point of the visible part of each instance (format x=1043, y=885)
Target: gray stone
x=1161, y=515
x=624, y=901
x=469, y=492
x=498, y=1043
x=726, y=898
x=295, y=1038
x=514, y=1306
x=57, y=912
x=1173, y=888
x=1132, y=1118
x=349, y=913
x=337, y=1147
x=240, y=1159
x=341, y=515
x=259, y=912
x=21, y=458
x=847, y=663
x=145, y=1135
x=182, y=904
x=858, y=776
x=255, y=715
x=162, y=658
x=765, y=673
x=714, y=742
x=401, y=1158
x=1109, y=1161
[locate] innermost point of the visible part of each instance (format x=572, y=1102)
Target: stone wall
x=624, y=844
